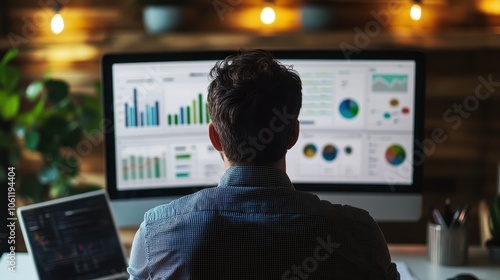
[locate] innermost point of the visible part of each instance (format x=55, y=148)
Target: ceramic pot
x=316, y=17
x=160, y=19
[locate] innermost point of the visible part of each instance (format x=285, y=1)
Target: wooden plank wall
x=464, y=167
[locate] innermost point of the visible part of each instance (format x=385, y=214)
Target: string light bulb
x=416, y=10
x=57, y=22
x=268, y=15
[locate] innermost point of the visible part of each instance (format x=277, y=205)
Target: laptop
x=73, y=238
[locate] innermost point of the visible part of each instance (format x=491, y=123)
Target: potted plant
x=316, y=15
x=42, y=122
x=494, y=243
x=160, y=16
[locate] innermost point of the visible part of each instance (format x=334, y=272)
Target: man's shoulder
x=344, y=211
x=175, y=207
x=287, y=201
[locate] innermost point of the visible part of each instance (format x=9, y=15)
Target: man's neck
x=280, y=164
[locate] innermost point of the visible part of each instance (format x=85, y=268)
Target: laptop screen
x=73, y=238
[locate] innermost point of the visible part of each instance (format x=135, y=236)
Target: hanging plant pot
x=316, y=17
x=160, y=19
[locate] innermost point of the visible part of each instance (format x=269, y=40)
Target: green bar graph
x=125, y=169
x=132, y=167
x=149, y=168
x=200, y=101
x=144, y=164
x=194, y=113
x=157, y=167
x=182, y=175
x=183, y=156
x=141, y=167
x=164, y=165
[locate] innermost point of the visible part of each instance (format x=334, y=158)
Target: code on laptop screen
x=74, y=240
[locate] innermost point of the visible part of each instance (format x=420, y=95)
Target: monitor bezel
x=108, y=60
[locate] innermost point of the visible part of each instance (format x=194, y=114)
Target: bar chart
x=195, y=113
x=142, y=115
x=143, y=164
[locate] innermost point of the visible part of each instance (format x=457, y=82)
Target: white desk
x=413, y=255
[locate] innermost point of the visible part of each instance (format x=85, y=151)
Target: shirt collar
x=255, y=176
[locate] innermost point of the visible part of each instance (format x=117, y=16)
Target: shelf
x=413, y=39
x=138, y=41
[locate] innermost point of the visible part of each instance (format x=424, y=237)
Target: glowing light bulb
x=267, y=16
x=415, y=12
x=57, y=23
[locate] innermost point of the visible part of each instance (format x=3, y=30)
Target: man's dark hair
x=254, y=102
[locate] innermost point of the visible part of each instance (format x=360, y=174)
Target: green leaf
x=90, y=116
x=60, y=188
x=57, y=92
x=48, y=174
x=32, y=188
x=74, y=168
x=20, y=131
x=98, y=88
x=68, y=167
x=5, y=139
x=38, y=109
x=31, y=140
x=30, y=117
x=10, y=77
x=72, y=138
x=3, y=95
x=14, y=156
x=11, y=54
x=34, y=90
x=10, y=107
x=25, y=119
x=84, y=188
x=55, y=125
x=48, y=147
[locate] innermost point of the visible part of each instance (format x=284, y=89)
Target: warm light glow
x=267, y=16
x=416, y=12
x=490, y=7
x=57, y=23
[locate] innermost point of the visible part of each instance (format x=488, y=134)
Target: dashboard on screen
x=359, y=122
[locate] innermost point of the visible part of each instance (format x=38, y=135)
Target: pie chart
x=395, y=155
x=310, y=150
x=329, y=152
x=349, y=108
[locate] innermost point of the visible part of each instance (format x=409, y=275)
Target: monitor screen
x=360, y=123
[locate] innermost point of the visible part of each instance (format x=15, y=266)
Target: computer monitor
x=361, y=129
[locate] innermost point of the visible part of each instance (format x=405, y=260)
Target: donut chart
x=310, y=150
x=349, y=108
x=330, y=152
x=395, y=155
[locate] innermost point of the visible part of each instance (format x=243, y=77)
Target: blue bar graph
x=147, y=118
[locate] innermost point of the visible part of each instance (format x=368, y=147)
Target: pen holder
x=447, y=246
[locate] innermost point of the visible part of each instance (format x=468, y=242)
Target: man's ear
x=295, y=135
x=214, y=137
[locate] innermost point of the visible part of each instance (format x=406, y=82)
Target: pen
x=456, y=217
x=463, y=215
x=448, y=213
x=438, y=218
